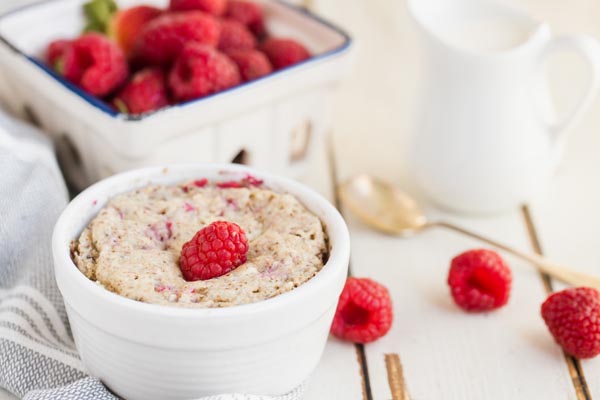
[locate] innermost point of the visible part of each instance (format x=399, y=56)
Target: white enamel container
x=273, y=123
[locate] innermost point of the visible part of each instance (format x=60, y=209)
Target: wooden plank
x=341, y=373
x=338, y=376
x=575, y=370
x=443, y=352
x=565, y=217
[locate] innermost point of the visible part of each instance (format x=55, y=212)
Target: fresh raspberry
x=284, y=52
x=214, y=7
x=235, y=36
x=364, y=311
x=146, y=91
x=479, y=280
x=126, y=25
x=214, y=251
x=55, y=54
x=163, y=38
x=201, y=70
x=252, y=63
x=96, y=64
x=248, y=14
x=573, y=318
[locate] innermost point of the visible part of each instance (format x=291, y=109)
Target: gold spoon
x=386, y=208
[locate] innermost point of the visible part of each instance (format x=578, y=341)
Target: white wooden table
x=434, y=351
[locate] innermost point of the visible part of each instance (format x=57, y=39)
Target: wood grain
x=566, y=216
x=340, y=374
x=396, y=377
x=364, y=371
x=575, y=371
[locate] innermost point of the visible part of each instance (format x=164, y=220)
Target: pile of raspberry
x=143, y=58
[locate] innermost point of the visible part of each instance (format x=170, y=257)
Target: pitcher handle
x=589, y=49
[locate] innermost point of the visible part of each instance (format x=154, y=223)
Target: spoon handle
x=559, y=272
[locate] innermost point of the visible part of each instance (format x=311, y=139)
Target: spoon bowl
x=382, y=205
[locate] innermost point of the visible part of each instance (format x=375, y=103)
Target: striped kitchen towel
x=38, y=359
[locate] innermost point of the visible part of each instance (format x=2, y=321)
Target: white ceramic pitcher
x=488, y=138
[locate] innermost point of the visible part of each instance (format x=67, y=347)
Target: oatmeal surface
x=132, y=246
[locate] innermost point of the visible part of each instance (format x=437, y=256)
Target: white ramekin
x=147, y=351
